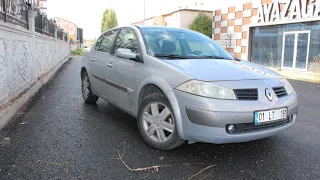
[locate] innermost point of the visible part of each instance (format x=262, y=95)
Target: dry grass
x=271, y=57
x=314, y=65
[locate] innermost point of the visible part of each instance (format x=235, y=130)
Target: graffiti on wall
x=228, y=40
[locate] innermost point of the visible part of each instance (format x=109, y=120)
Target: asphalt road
x=57, y=136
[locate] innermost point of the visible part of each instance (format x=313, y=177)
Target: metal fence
x=43, y=25
x=14, y=12
x=38, y=21
x=60, y=34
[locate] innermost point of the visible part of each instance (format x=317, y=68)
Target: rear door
x=95, y=69
x=101, y=62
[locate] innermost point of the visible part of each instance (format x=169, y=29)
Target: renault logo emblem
x=269, y=94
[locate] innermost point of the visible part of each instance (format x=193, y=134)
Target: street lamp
x=144, y=11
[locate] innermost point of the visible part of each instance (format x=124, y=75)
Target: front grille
x=250, y=127
x=280, y=91
x=246, y=94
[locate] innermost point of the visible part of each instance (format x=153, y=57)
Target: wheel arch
x=87, y=70
x=150, y=85
x=157, y=84
x=83, y=70
x=147, y=90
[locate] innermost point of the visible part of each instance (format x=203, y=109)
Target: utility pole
x=144, y=11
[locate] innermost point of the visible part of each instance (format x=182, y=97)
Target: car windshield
x=173, y=43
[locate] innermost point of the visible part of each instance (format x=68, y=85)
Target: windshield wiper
x=171, y=56
x=212, y=57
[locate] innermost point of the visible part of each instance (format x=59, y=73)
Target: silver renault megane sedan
x=182, y=86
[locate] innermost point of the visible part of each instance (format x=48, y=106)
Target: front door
x=295, y=50
x=125, y=71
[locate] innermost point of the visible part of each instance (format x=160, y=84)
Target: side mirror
x=127, y=54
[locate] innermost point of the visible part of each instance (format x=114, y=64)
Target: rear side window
x=105, y=42
x=98, y=43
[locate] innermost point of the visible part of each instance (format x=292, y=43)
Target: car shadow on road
x=112, y=117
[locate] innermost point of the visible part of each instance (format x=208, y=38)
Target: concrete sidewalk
x=297, y=75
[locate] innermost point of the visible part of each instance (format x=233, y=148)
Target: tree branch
x=155, y=168
x=201, y=171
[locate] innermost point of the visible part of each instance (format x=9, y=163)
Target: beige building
x=181, y=18
x=69, y=27
x=41, y=4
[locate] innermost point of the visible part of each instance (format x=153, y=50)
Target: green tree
x=109, y=20
x=202, y=24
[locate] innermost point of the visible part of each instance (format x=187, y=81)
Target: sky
x=88, y=14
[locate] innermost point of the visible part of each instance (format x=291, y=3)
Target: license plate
x=263, y=117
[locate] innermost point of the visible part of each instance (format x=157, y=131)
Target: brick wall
x=235, y=19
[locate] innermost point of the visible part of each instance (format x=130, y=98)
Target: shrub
x=77, y=52
x=202, y=24
x=314, y=65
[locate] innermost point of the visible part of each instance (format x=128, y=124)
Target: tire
x=161, y=127
x=87, y=94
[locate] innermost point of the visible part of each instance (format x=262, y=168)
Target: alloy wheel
x=85, y=87
x=158, y=122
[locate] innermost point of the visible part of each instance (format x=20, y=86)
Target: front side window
x=127, y=39
x=172, y=42
x=105, y=42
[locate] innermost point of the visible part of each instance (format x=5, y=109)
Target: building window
x=300, y=51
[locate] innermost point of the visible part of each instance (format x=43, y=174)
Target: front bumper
x=205, y=119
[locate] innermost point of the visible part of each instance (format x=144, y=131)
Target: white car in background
x=86, y=48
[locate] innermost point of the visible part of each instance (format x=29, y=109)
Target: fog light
x=231, y=128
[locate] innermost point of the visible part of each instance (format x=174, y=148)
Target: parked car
x=182, y=86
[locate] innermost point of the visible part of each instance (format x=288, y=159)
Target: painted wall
x=149, y=22
x=172, y=20
x=187, y=17
x=178, y=19
x=158, y=20
x=27, y=61
x=68, y=27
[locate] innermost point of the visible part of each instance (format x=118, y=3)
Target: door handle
x=93, y=59
x=110, y=65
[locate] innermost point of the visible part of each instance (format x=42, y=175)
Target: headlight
x=288, y=87
x=207, y=89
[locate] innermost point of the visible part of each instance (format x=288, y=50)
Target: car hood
x=222, y=70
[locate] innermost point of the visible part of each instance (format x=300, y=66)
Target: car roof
x=157, y=26
x=147, y=27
